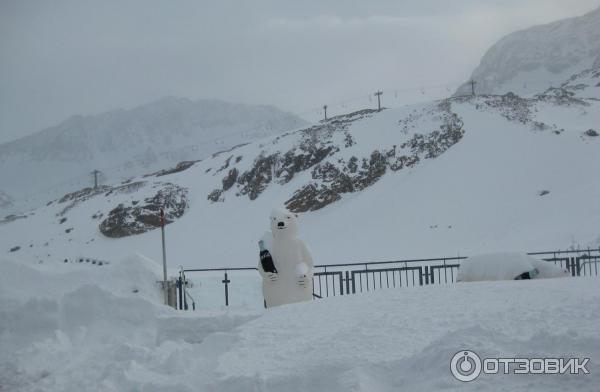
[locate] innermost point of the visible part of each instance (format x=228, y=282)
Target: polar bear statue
x=291, y=280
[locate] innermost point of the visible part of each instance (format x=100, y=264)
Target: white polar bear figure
x=294, y=264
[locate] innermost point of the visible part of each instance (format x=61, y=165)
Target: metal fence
x=331, y=280
x=352, y=278
x=577, y=262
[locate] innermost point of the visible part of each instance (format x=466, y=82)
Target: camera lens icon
x=465, y=366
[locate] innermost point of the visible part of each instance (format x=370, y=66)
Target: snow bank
x=135, y=274
x=75, y=327
x=96, y=336
x=548, y=270
x=505, y=266
x=47, y=313
x=496, y=266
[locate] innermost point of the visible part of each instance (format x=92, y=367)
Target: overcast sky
x=60, y=58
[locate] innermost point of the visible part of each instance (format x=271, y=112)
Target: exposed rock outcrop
x=332, y=181
x=125, y=221
x=315, y=146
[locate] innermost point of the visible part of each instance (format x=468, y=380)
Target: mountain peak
x=529, y=61
x=127, y=142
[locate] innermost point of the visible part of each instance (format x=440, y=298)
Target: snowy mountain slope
x=103, y=329
x=532, y=60
x=462, y=175
x=130, y=142
x=585, y=84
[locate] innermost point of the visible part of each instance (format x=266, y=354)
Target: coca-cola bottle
x=266, y=261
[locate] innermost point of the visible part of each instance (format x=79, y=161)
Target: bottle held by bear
x=266, y=260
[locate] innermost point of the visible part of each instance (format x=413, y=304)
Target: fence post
x=226, y=281
x=578, y=266
x=180, y=291
x=571, y=264
x=347, y=282
x=183, y=291
x=426, y=274
x=164, y=256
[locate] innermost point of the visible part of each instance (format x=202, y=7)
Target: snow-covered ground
x=103, y=329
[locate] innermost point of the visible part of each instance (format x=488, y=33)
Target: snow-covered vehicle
x=507, y=266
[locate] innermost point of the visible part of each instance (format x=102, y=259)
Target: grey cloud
x=80, y=56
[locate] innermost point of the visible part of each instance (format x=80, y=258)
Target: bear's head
x=283, y=223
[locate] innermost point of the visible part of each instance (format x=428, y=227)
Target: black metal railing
x=353, y=278
x=580, y=262
x=183, y=283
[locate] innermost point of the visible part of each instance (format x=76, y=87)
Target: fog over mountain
x=66, y=57
x=124, y=143
x=540, y=57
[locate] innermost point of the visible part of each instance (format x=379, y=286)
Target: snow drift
x=506, y=266
x=106, y=331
